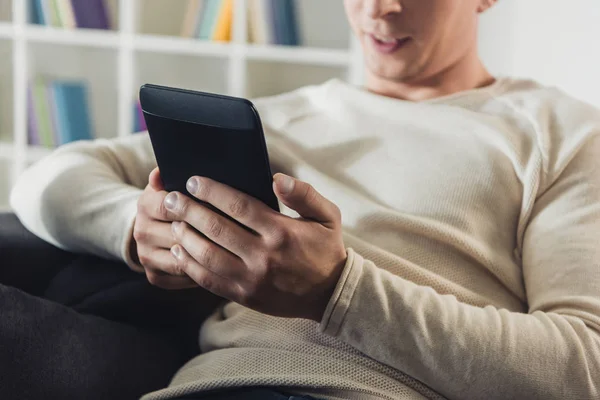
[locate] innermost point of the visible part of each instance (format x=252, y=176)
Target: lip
x=388, y=48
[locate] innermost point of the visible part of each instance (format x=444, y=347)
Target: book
x=91, y=14
x=141, y=120
x=291, y=22
x=257, y=23
x=52, y=108
x=271, y=16
x=65, y=11
x=33, y=137
x=192, y=17
x=54, y=14
x=37, y=12
x=209, y=17
x=42, y=113
x=139, y=123
x=72, y=110
x=46, y=11
x=224, y=21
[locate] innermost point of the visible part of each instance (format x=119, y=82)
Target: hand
x=262, y=259
x=152, y=238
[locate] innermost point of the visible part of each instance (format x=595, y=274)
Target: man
x=446, y=247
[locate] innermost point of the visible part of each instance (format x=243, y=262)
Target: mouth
x=387, y=44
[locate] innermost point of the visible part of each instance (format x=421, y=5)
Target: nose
x=381, y=8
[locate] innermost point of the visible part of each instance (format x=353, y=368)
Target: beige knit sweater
x=473, y=228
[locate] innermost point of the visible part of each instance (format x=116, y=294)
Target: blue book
x=73, y=115
x=291, y=15
x=37, y=12
x=209, y=19
x=273, y=21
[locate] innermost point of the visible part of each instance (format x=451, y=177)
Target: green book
x=42, y=113
x=55, y=14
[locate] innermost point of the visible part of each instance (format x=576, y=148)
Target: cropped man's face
x=409, y=40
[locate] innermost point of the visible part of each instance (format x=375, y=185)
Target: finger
x=160, y=261
x=205, y=277
x=207, y=253
x=219, y=229
x=155, y=180
x=243, y=208
x=156, y=234
x=305, y=200
x=170, y=282
x=152, y=204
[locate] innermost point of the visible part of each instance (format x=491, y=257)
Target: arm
x=83, y=197
x=467, y=352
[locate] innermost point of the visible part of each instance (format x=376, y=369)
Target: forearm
x=464, y=351
x=83, y=197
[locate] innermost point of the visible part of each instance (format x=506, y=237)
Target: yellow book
x=224, y=23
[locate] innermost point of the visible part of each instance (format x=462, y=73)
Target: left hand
x=282, y=266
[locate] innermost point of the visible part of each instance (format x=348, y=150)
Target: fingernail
x=176, y=251
x=192, y=185
x=171, y=201
x=285, y=183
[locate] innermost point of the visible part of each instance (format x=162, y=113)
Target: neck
x=466, y=74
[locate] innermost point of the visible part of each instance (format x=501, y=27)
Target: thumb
x=155, y=181
x=305, y=200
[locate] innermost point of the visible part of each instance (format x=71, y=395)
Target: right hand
x=153, y=238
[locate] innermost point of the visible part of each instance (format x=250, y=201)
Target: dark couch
x=76, y=326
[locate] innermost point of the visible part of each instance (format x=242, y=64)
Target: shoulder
x=563, y=124
x=279, y=110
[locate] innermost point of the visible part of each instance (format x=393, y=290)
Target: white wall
x=556, y=42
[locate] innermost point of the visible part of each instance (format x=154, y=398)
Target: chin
x=397, y=73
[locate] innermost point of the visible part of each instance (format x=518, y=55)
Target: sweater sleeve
x=467, y=352
x=83, y=197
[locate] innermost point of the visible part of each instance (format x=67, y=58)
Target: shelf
x=6, y=30
x=298, y=55
x=180, y=45
x=34, y=153
x=6, y=151
x=80, y=37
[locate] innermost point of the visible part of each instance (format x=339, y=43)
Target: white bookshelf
x=145, y=48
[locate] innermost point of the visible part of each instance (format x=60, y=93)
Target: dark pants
x=79, y=327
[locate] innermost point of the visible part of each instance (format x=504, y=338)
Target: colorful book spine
x=61, y=112
x=53, y=110
x=273, y=18
x=32, y=127
x=74, y=115
x=37, y=12
x=55, y=19
x=224, y=22
x=209, y=17
x=58, y=112
x=193, y=15
x=46, y=12
x=42, y=113
x=274, y=22
x=91, y=14
x=141, y=119
x=291, y=22
x=65, y=12
x=139, y=123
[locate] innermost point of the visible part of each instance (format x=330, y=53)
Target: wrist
x=326, y=293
